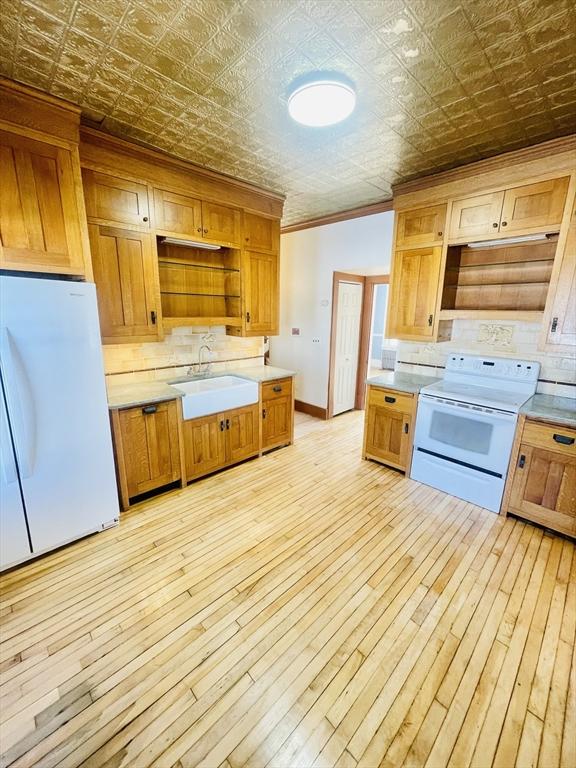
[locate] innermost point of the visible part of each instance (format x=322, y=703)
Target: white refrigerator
x=57, y=479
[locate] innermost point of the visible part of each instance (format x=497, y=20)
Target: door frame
x=344, y=277
x=365, y=328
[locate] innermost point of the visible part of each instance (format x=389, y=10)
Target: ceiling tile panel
x=439, y=82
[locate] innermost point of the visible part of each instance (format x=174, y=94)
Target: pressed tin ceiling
x=440, y=83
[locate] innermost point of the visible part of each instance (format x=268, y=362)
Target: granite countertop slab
x=262, y=373
x=551, y=408
x=140, y=393
x=401, y=382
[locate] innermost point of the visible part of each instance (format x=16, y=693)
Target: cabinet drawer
x=550, y=437
x=389, y=398
x=274, y=389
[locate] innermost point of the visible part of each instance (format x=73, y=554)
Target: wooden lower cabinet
x=216, y=441
x=277, y=414
x=388, y=427
x=147, y=446
x=542, y=481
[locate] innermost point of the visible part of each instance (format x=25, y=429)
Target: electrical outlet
x=295, y=331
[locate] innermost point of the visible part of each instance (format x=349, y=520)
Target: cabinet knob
x=405, y=429
x=263, y=413
x=222, y=426
x=205, y=231
x=247, y=317
x=247, y=239
x=145, y=218
x=153, y=317
x=522, y=461
x=554, y=327
x=199, y=229
x=495, y=225
x=504, y=223
x=430, y=319
x=227, y=423
x=440, y=234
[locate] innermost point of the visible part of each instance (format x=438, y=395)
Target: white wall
x=308, y=260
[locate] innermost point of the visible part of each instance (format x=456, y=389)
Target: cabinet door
x=221, y=223
x=277, y=413
x=150, y=446
x=260, y=286
x=387, y=436
x=204, y=445
x=476, y=217
x=177, y=214
x=113, y=200
x=261, y=234
x=414, y=290
x=40, y=224
x=559, y=331
x=126, y=276
x=424, y=226
x=544, y=488
x=534, y=207
x=242, y=433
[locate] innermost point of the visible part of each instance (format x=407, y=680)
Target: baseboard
x=311, y=410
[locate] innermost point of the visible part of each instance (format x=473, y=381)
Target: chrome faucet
x=206, y=368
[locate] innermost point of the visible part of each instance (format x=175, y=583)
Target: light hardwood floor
x=304, y=609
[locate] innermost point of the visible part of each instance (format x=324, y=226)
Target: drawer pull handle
x=389, y=399
x=149, y=409
x=522, y=461
x=277, y=388
x=405, y=429
x=564, y=439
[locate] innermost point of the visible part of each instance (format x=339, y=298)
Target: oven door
x=469, y=435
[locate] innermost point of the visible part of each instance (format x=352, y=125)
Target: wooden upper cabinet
x=261, y=233
x=423, y=226
x=149, y=444
x=42, y=223
x=221, y=223
x=126, y=276
x=559, y=330
x=114, y=200
x=260, y=280
x=476, y=217
x=177, y=214
x=413, y=293
x=544, y=481
x=534, y=207
x=524, y=210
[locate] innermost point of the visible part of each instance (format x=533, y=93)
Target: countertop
x=401, y=382
x=558, y=410
x=140, y=393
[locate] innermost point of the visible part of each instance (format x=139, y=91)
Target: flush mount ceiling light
x=321, y=99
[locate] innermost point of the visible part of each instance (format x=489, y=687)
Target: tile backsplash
x=163, y=360
x=495, y=339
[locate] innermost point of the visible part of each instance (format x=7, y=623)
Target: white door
x=347, y=345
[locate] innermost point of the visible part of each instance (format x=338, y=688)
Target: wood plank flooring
x=304, y=609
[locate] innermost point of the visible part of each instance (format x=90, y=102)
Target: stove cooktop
x=475, y=395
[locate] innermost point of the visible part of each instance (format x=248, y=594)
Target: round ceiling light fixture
x=321, y=99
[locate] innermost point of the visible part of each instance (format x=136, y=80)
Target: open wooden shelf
x=199, y=287
x=491, y=314
x=503, y=280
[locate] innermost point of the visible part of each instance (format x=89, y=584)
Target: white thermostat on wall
x=295, y=331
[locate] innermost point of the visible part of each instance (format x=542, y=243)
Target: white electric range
x=465, y=426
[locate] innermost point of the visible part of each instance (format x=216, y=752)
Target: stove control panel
x=458, y=365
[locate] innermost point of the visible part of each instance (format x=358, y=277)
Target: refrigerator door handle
x=20, y=403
